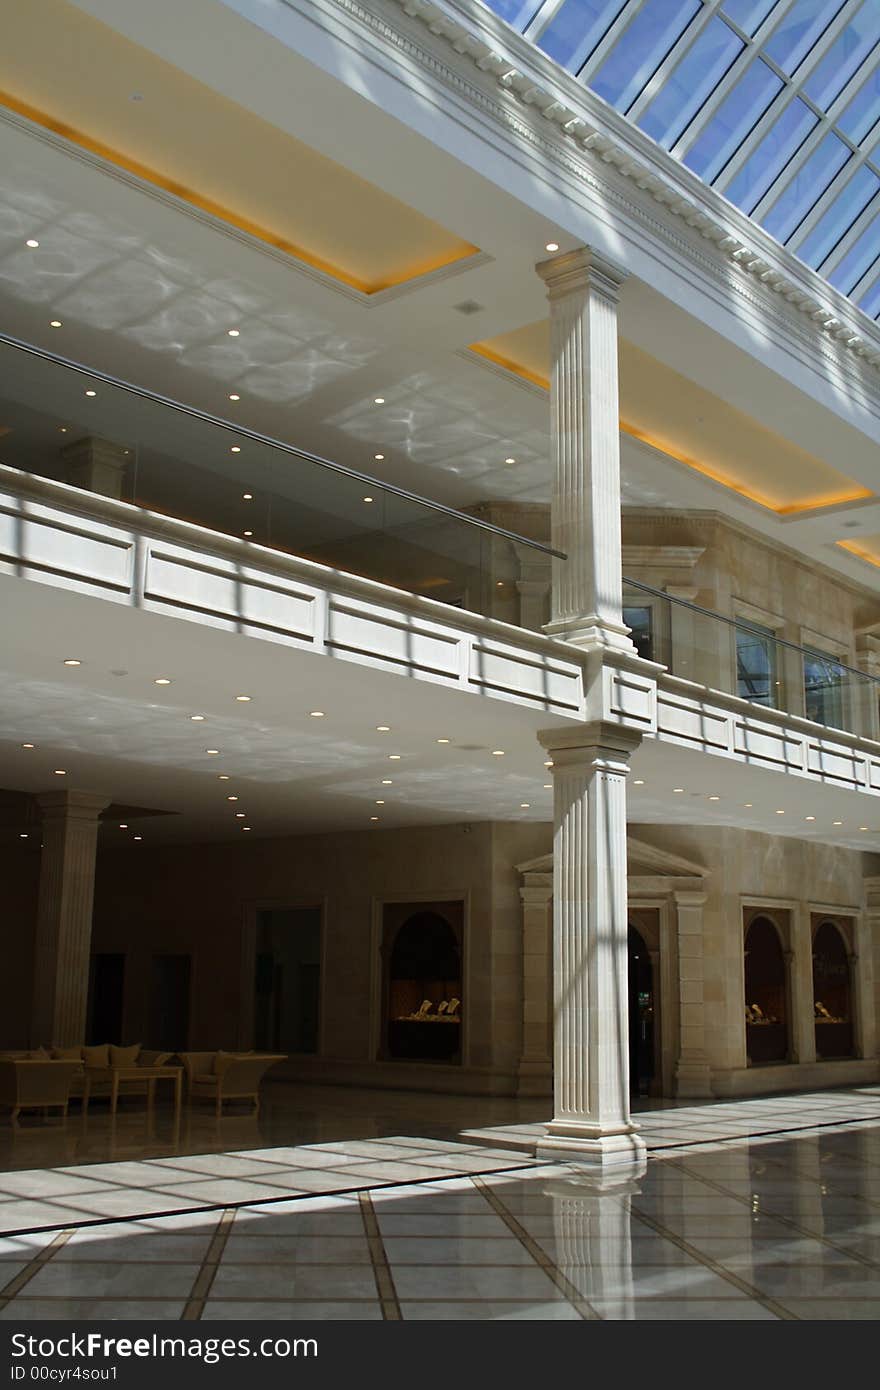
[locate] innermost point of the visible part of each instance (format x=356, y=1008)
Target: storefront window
x=756, y=679
x=831, y=993
x=823, y=689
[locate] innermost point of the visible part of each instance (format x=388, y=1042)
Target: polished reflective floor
x=769, y=1226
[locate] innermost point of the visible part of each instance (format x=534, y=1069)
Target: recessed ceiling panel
x=113, y=98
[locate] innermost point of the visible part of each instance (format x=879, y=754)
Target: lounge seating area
x=43, y=1079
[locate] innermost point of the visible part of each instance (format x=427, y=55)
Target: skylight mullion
x=539, y=21
x=675, y=54
x=776, y=189
x=754, y=137
x=850, y=237
x=750, y=55
x=868, y=289
x=604, y=47
x=835, y=190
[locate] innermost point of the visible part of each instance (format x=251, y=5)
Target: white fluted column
x=583, y=292
x=692, y=1076
x=591, y=1118
x=64, y=916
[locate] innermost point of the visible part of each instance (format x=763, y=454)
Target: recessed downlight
x=223, y=777
x=123, y=825
x=379, y=803
x=510, y=460
x=316, y=714
x=60, y=771
x=137, y=837
x=245, y=827
x=779, y=811
x=54, y=323
x=369, y=499
x=387, y=782
x=197, y=718
x=837, y=822
x=378, y=457
x=524, y=805
x=212, y=751
x=91, y=393
x=247, y=497
x=497, y=752
x=234, y=396
x=809, y=817
x=232, y=798
x=714, y=798
x=241, y=815
x=748, y=805
x=863, y=827
x=243, y=699
x=383, y=728
x=374, y=817
x=72, y=661
x=28, y=745
x=23, y=835
x=232, y=333
x=551, y=246
x=394, y=757
x=235, y=449
x=444, y=740
x=639, y=782
x=32, y=243
x=678, y=790
x=247, y=534
x=378, y=400
x=161, y=680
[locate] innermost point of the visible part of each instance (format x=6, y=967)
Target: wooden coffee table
x=135, y=1073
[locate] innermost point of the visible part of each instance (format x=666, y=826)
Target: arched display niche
x=833, y=992
x=644, y=1012
x=422, y=982
x=767, y=998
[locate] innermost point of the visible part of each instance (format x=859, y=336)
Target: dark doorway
x=423, y=981
x=832, y=1004
x=169, y=1003
x=287, y=980
x=765, y=1002
x=104, y=1013
x=641, y=1014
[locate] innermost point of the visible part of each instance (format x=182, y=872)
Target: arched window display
x=832, y=992
x=424, y=987
x=765, y=986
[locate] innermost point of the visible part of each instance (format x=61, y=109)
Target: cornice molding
x=581, y=130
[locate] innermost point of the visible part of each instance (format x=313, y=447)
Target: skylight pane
x=769, y=158
x=858, y=259
x=748, y=14
x=863, y=112
x=806, y=188
x=798, y=30
x=519, y=13
x=845, y=55
x=870, y=300
x=576, y=28
x=692, y=81
x=733, y=120
x=836, y=222
x=641, y=49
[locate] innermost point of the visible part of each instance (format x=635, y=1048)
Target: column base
x=592, y=633
x=693, y=1081
x=590, y=1147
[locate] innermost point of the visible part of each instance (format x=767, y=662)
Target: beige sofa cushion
x=97, y=1056
x=124, y=1056
x=153, y=1059
x=68, y=1054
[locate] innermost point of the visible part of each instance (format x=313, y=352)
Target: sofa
x=221, y=1076
x=30, y=1082
x=94, y=1066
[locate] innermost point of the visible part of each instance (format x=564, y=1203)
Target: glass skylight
x=776, y=103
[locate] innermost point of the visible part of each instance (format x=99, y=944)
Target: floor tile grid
x=187, y=1205
x=730, y=1277
x=14, y=1286
x=381, y=1268
x=792, y=1224
x=787, y=1166
x=195, y=1304
x=572, y=1295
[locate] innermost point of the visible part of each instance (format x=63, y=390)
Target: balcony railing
x=61, y=420
x=746, y=659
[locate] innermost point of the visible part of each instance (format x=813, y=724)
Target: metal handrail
x=245, y=432
x=751, y=627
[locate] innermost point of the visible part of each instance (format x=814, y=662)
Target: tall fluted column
x=583, y=292
x=64, y=916
x=591, y=1117
x=692, y=1077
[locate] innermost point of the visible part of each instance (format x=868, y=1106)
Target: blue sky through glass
x=776, y=102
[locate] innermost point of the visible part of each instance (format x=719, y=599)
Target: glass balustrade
x=106, y=437
x=744, y=658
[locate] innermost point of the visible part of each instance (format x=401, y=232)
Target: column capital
x=688, y=898
x=579, y=270
x=581, y=742
x=63, y=804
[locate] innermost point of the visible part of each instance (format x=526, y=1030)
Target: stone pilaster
x=867, y=698
x=64, y=916
x=692, y=1074
x=98, y=465
x=591, y=1118
x=533, y=587
x=867, y=931
x=583, y=292
x=536, y=1062
x=800, y=976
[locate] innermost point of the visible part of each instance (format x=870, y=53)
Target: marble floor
x=771, y=1227
x=353, y=1204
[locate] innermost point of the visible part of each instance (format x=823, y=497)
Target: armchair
x=36, y=1083
x=220, y=1076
